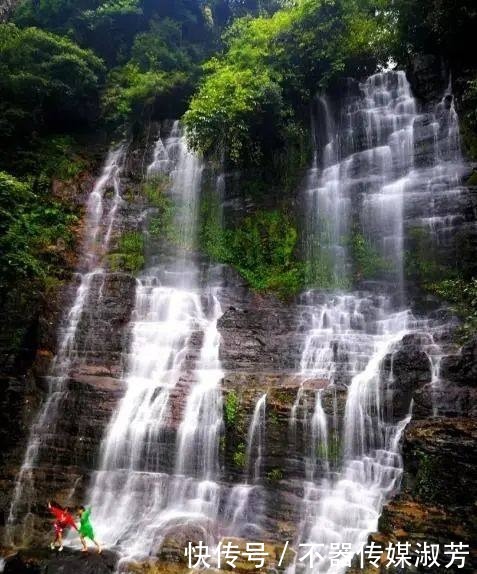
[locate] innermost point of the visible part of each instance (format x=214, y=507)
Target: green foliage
x=130, y=91
x=219, y=116
x=462, y=296
x=160, y=225
x=262, y=248
x=442, y=27
x=161, y=47
x=239, y=456
x=90, y=23
x=367, y=262
x=153, y=50
x=274, y=475
x=112, y=8
x=456, y=285
x=421, y=261
x=129, y=253
x=469, y=121
x=320, y=269
x=45, y=80
x=331, y=451
x=320, y=273
x=34, y=232
x=155, y=190
x=273, y=64
x=212, y=237
x=56, y=157
x=263, y=251
x=231, y=408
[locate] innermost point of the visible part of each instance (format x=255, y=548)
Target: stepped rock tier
x=183, y=407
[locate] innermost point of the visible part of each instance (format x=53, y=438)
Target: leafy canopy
x=272, y=65
x=45, y=81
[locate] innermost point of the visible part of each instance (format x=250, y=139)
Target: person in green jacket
x=86, y=528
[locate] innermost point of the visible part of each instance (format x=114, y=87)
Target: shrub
x=34, y=229
x=231, y=408
x=239, y=456
x=262, y=248
x=462, y=296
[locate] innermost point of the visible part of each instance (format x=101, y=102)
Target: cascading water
x=159, y=476
x=97, y=237
x=373, y=178
x=146, y=487
x=255, y=440
x=242, y=511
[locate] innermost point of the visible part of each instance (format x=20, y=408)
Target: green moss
x=34, y=232
x=285, y=397
x=461, y=294
x=472, y=179
x=320, y=272
x=421, y=261
x=222, y=444
x=239, y=456
x=262, y=248
x=330, y=451
x=250, y=103
x=155, y=189
x=455, y=285
x=426, y=486
x=272, y=417
x=129, y=253
x=63, y=163
x=367, y=262
x=36, y=241
x=274, y=475
x=231, y=408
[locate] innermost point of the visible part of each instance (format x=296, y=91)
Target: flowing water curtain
x=159, y=462
x=370, y=175
x=245, y=504
x=101, y=214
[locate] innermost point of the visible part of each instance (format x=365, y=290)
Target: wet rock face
x=456, y=393
x=66, y=562
x=69, y=451
x=407, y=369
x=439, y=457
x=461, y=369
x=439, y=487
x=259, y=338
x=428, y=77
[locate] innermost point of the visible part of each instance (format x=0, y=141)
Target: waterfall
x=95, y=246
x=255, y=440
x=244, y=503
x=159, y=457
x=372, y=177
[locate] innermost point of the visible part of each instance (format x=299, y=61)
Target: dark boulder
x=408, y=369
x=46, y=561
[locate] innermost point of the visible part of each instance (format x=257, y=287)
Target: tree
x=46, y=81
x=250, y=100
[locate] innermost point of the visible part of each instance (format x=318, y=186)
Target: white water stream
x=97, y=236
x=371, y=168
x=142, y=491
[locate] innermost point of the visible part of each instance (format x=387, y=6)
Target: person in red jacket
x=63, y=519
